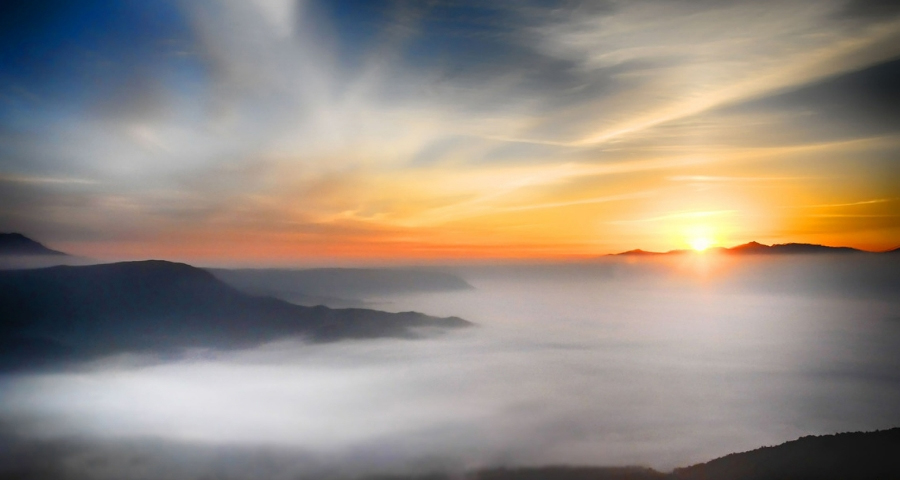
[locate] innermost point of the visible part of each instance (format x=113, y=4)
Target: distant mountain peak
x=753, y=244
x=17, y=244
x=808, y=248
x=749, y=247
x=638, y=251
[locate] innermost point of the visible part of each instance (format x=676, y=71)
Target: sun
x=700, y=243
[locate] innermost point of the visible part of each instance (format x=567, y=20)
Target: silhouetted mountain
x=639, y=252
x=756, y=248
x=753, y=248
x=18, y=244
x=859, y=456
x=57, y=313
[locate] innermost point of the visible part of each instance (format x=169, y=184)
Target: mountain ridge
x=17, y=244
x=756, y=248
x=79, y=312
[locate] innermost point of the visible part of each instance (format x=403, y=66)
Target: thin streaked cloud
x=675, y=216
x=47, y=180
x=851, y=204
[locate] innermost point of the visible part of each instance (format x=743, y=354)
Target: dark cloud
x=462, y=45
x=869, y=10
x=863, y=103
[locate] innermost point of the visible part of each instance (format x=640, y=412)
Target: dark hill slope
x=18, y=244
x=845, y=456
x=79, y=312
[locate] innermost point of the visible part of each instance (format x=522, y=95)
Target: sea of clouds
x=619, y=363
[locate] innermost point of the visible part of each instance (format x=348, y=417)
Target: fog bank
x=612, y=365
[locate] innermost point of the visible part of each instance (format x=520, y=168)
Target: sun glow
x=700, y=243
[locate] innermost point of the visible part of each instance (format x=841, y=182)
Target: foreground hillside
x=845, y=456
x=62, y=313
x=857, y=455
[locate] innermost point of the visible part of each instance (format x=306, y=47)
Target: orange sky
x=254, y=139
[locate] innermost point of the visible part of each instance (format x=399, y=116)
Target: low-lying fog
x=614, y=363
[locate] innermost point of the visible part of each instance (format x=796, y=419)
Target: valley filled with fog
x=655, y=362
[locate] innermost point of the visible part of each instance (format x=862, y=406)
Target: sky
x=350, y=132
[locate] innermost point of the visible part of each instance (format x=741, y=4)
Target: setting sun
x=700, y=244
